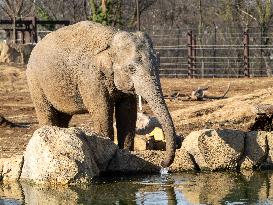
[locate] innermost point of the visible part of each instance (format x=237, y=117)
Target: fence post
x=189, y=34
x=246, y=54
x=214, y=50
x=34, y=27
x=193, y=55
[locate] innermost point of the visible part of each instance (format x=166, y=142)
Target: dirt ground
x=234, y=112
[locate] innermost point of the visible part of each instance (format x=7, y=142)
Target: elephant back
x=72, y=41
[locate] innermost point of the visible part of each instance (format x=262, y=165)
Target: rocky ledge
x=74, y=155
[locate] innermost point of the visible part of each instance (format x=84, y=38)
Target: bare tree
x=73, y=10
x=262, y=13
x=143, y=6
x=15, y=9
x=265, y=14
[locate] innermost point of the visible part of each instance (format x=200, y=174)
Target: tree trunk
x=104, y=7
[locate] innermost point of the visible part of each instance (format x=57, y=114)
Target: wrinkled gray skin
x=87, y=67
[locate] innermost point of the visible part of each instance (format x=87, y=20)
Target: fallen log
x=200, y=94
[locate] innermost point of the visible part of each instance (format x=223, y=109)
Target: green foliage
x=102, y=18
x=264, y=11
x=267, y=10
x=107, y=18
x=227, y=11
x=43, y=15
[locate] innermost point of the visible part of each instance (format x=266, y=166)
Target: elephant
x=91, y=68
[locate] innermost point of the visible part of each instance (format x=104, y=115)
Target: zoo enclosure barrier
x=26, y=30
x=216, y=54
x=184, y=53
x=192, y=48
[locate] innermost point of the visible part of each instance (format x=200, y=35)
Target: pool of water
x=185, y=188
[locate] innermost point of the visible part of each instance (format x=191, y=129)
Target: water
x=185, y=188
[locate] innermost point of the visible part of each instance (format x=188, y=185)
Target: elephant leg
x=101, y=109
x=44, y=110
x=46, y=113
x=103, y=122
x=126, y=116
x=102, y=115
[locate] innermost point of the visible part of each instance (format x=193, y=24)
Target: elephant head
x=136, y=70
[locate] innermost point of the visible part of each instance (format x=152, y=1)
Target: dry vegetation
x=233, y=112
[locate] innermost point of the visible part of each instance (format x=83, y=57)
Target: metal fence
x=184, y=53
x=215, y=53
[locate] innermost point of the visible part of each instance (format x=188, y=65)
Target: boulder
x=215, y=149
x=256, y=149
x=75, y=155
x=269, y=161
x=143, y=142
x=10, y=168
x=182, y=161
x=66, y=155
x=149, y=161
x=101, y=148
x=128, y=162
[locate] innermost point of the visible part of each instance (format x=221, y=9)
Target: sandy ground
x=234, y=112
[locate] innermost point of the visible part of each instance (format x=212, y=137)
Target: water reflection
x=186, y=188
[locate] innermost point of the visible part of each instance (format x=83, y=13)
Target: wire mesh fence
x=215, y=53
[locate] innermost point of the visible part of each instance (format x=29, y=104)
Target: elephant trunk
x=152, y=93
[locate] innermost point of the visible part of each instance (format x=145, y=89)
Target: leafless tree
x=73, y=10
x=16, y=9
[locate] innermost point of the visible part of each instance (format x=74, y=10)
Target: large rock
x=269, y=161
x=10, y=168
x=182, y=162
x=102, y=149
x=60, y=155
x=149, y=161
x=127, y=162
x=256, y=149
x=74, y=155
x=143, y=142
x=215, y=149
